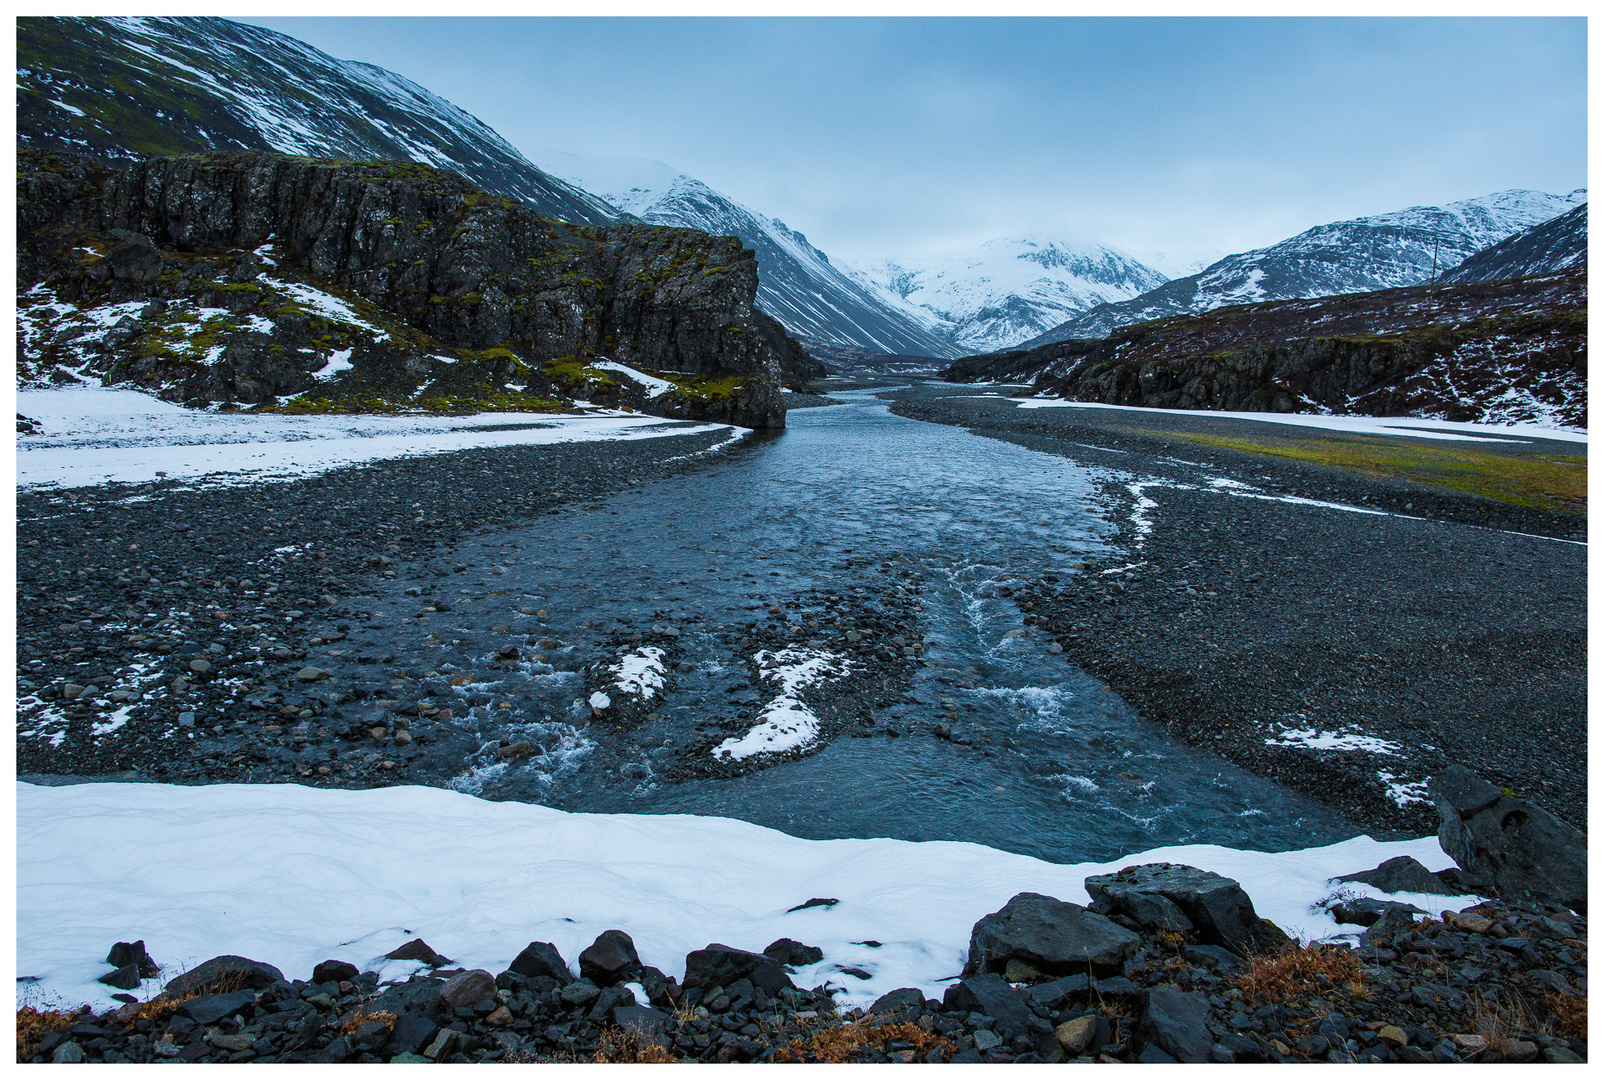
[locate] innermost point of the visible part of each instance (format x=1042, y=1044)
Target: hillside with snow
x=1384, y=251
x=1009, y=290
x=128, y=86
x=797, y=282
x=1553, y=246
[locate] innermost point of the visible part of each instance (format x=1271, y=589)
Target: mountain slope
x=1009, y=290
x=1556, y=245
x=798, y=284
x=1363, y=255
x=1493, y=352
x=125, y=86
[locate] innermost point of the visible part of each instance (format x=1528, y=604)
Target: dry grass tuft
x=1569, y=1014
x=622, y=1046
x=1302, y=972
x=366, y=1015
x=33, y=1025
x=161, y=1007
x=838, y=1043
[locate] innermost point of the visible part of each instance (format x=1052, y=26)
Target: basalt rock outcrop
x=1506, y=845
x=254, y=277
x=1492, y=352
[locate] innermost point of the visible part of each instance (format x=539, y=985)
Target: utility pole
x=1431, y=290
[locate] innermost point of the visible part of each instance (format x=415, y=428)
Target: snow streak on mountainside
x=182, y=85
x=1548, y=248
x=1363, y=255
x=1009, y=290
x=796, y=282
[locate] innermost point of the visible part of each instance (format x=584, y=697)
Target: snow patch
x=640, y=673
x=785, y=723
x=1315, y=739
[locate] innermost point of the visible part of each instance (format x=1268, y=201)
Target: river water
x=853, y=519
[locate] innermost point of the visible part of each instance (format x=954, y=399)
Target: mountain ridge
x=1365, y=254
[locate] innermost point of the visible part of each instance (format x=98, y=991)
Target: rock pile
x=1168, y=963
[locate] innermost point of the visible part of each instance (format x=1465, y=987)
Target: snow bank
x=89, y=435
x=295, y=875
x=1410, y=426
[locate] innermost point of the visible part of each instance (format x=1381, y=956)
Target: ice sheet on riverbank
x=295, y=875
x=1410, y=426
x=88, y=435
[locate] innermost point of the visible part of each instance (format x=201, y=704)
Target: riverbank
x=1349, y=652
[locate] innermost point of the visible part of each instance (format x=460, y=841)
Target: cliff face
x=430, y=283
x=1497, y=352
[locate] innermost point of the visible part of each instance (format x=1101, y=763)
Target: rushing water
x=850, y=504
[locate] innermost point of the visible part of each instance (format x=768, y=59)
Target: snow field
x=89, y=435
x=295, y=875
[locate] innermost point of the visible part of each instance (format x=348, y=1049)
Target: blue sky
x=903, y=137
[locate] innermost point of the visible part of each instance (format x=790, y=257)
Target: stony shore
x=1431, y=634
x=1496, y=982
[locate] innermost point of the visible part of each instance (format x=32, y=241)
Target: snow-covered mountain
x=1548, y=248
x=123, y=86
x=798, y=284
x=1381, y=252
x=1008, y=290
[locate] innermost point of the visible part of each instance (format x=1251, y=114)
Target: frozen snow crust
x=293, y=875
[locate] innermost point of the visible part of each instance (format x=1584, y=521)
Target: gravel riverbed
x=1348, y=655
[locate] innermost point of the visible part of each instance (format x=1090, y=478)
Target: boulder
x=132, y=952
x=417, y=949
x=211, y=1008
x=334, y=971
x=990, y=995
x=124, y=978
x=793, y=953
x=542, y=958
x=1219, y=911
x=223, y=974
x=1052, y=936
x=1403, y=874
x=909, y=997
x=1176, y=1021
x=610, y=959
x=1367, y=912
x=467, y=988
x=718, y=966
x=1507, y=845
x=648, y=1024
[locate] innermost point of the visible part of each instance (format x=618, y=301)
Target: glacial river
x=849, y=507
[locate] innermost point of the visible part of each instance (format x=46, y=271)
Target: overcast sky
x=904, y=137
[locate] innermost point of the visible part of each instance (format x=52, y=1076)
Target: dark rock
x=124, y=978
x=793, y=953
x=1394, y=918
x=1366, y=911
x=413, y=1031
x=1226, y=961
x=610, y=959
x=718, y=966
x=1218, y=908
x=1052, y=995
x=909, y=997
x=334, y=971
x=1052, y=936
x=1507, y=844
x=541, y=958
x=990, y=995
x=1403, y=874
x=817, y=901
x=417, y=949
x=222, y=974
x=214, y=1007
x=132, y=952
x=648, y=1024
x=1177, y=1022
x=416, y=996
x=467, y=988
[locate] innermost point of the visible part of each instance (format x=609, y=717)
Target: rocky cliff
x=290, y=282
x=1494, y=352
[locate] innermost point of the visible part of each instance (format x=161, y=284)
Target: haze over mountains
x=164, y=85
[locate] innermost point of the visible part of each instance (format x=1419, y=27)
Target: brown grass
x=1569, y=1014
x=839, y=1043
x=159, y=1008
x=1295, y=974
x=622, y=1046
x=33, y=1025
x=366, y=1015
x=1496, y=1019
